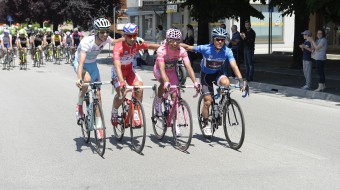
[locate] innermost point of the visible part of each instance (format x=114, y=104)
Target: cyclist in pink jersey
x=165, y=66
x=123, y=55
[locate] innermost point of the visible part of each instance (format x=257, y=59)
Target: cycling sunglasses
x=104, y=31
x=131, y=35
x=220, y=39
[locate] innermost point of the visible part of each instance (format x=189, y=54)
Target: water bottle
x=167, y=107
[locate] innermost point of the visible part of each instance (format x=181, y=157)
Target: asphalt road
x=290, y=143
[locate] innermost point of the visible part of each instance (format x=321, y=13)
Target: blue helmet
x=219, y=32
x=130, y=28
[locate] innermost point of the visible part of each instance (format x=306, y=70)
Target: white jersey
x=5, y=39
x=88, y=45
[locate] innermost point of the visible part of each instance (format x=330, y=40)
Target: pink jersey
x=170, y=57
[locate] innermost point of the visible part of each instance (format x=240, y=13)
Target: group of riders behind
x=15, y=40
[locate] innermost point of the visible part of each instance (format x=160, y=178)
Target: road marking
x=308, y=154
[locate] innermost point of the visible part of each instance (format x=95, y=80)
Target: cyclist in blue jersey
x=214, y=68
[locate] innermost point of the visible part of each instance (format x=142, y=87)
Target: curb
x=290, y=91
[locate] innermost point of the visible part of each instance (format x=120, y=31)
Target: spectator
x=306, y=47
x=227, y=40
x=190, y=40
x=235, y=45
x=248, y=38
x=160, y=36
x=338, y=36
x=320, y=47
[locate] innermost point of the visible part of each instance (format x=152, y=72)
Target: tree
x=80, y=12
x=213, y=10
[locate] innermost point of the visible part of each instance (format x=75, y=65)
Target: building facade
x=148, y=14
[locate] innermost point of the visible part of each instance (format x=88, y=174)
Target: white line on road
x=308, y=154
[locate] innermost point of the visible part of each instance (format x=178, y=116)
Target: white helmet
x=173, y=33
x=101, y=24
x=68, y=33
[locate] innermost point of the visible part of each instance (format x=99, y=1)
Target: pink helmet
x=173, y=34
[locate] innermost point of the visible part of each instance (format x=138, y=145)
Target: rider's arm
x=53, y=42
x=114, y=41
x=44, y=42
x=2, y=43
x=164, y=77
x=153, y=46
x=188, y=66
x=18, y=43
x=27, y=42
x=82, y=57
x=234, y=66
x=187, y=47
x=10, y=42
x=116, y=62
x=118, y=70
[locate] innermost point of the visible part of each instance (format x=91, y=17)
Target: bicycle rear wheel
x=137, y=126
x=233, y=124
x=158, y=122
x=85, y=125
x=99, y=132
x=182, y=126
x=119, y=130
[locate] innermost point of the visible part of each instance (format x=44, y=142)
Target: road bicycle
x=8, y=59
x=23, y=58
x=49, y=55
x=226, y=112
x=37, y=57
x=68, y=54
x=57, y=57
x=131, y=115
x=88, y=121
x=176, y=115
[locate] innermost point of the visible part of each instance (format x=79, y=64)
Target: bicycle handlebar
x=185, y=86
x=154, y=87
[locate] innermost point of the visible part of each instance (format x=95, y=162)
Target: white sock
x=114, y=110
x=99, y=124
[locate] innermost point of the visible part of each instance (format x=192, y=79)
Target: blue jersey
x=214, y=61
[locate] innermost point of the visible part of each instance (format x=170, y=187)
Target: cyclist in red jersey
x=124, y=54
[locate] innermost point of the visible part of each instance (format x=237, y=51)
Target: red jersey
x=125, y=53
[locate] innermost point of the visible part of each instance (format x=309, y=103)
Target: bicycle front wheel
x=158, y=122
x=182, y=126
x=99, y=131
x=119, y=129
x=138, y=127
x=85, y=124
x=233, y=124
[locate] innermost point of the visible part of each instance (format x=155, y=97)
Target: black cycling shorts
x=207, y=82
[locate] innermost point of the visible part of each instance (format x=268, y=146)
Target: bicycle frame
x=93, y=91
x=133, y=97
x=175, y=103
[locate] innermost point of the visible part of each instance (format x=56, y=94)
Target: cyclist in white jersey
x=6, y=42
x=85, y=64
